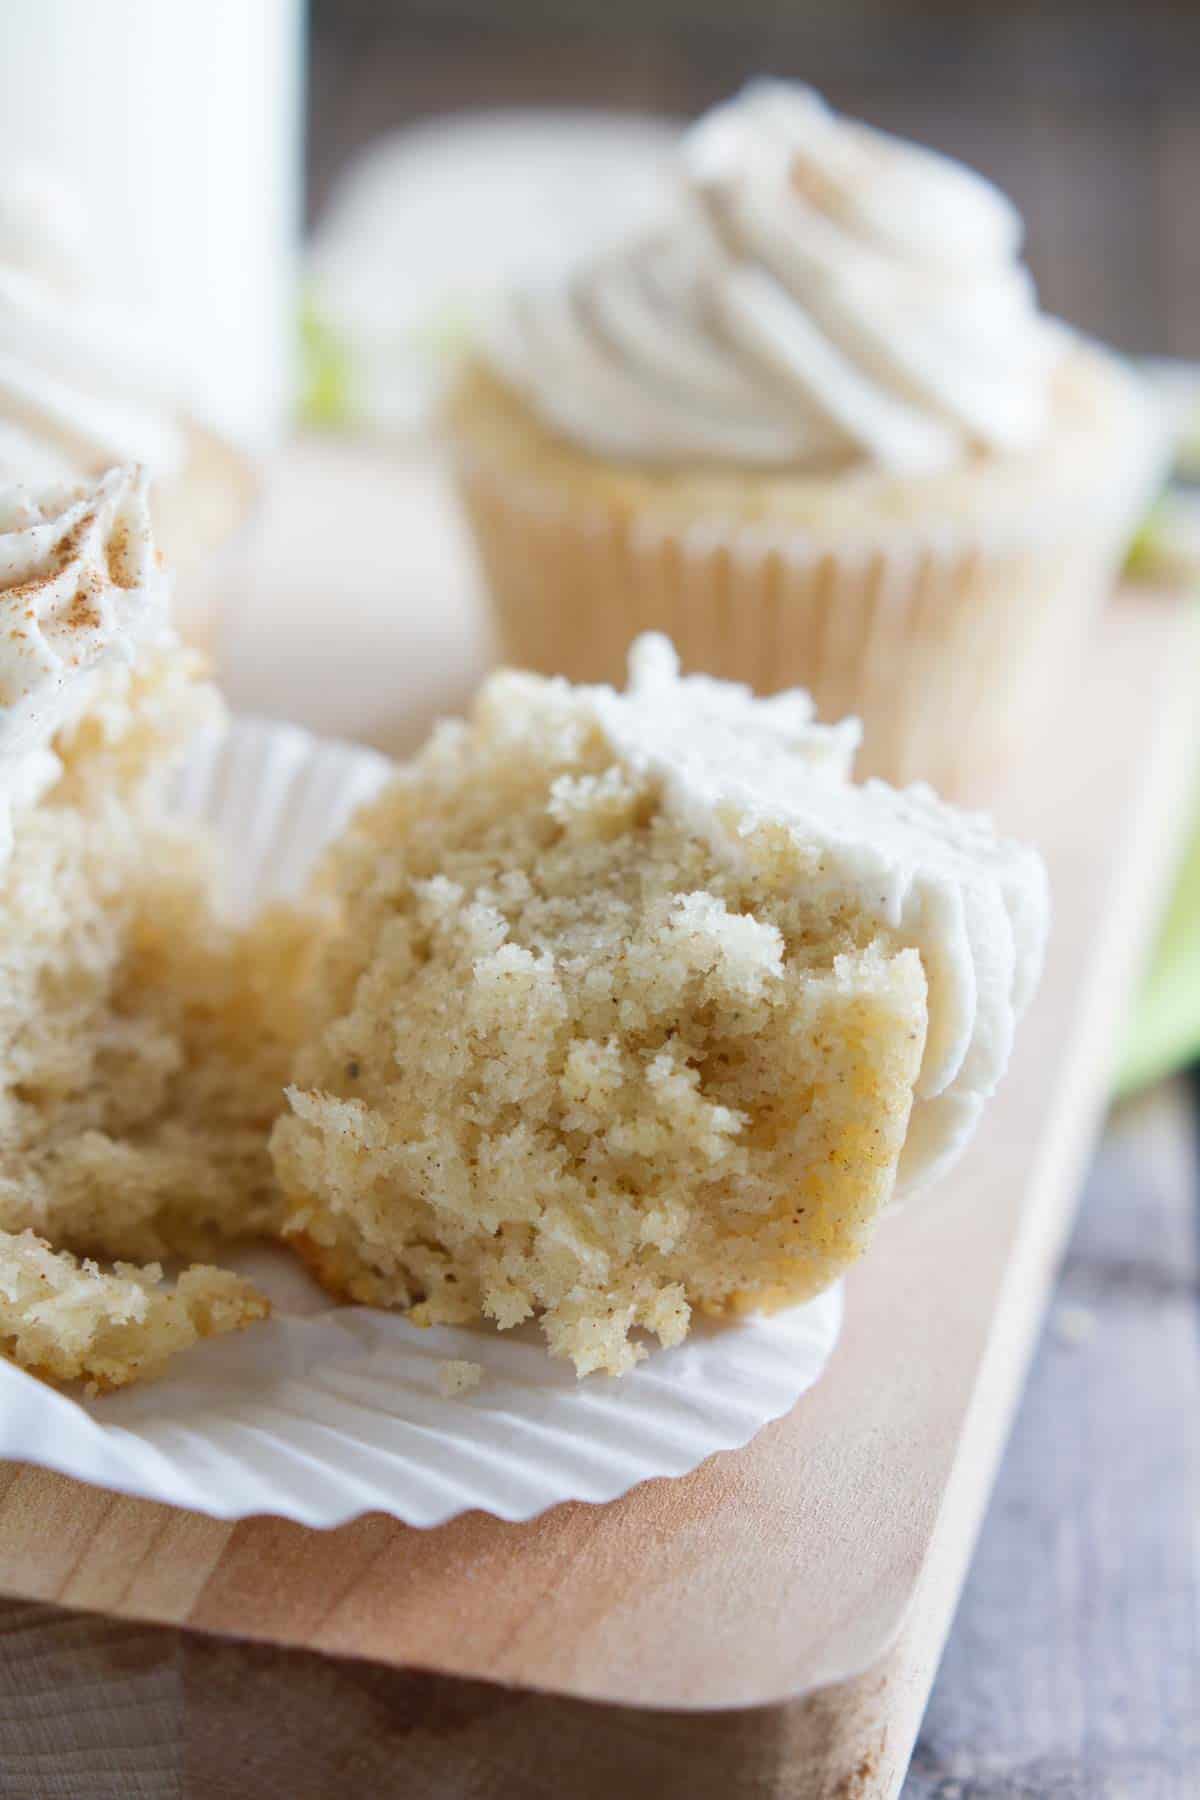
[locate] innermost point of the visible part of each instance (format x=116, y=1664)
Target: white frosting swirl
x=79, y=391
x=81, y=588
x=973, y=905
x=824, y=294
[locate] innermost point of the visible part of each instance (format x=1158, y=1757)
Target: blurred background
x=1085, y=111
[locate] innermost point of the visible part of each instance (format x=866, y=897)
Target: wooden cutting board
x=766, y=1626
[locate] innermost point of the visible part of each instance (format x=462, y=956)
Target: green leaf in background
x=326, y=384
x=1143, y=556
x=384, y=382
x=1164, y=1032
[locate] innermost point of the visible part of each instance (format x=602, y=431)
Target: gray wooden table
x=1073, y=1670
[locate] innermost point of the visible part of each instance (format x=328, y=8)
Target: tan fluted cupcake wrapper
x=946, y=645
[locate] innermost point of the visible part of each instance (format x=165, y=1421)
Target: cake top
x=79, y=389
x=821, y=294
x=762, y=781
x=80, y=587
x=697, y=722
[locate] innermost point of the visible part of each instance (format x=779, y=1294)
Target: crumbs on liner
x=458, y=1377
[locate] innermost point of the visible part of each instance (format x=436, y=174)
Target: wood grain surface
x=768, y=1625
x=113, y=1710
x=1073, y=1669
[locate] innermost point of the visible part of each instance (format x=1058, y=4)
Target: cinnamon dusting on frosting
x=80, y=586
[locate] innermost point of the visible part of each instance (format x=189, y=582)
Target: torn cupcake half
x=641, y=1006
x=141, y=1051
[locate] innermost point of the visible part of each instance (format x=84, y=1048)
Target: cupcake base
x=946, y=654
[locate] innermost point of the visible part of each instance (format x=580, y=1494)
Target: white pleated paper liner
x=325, y=1412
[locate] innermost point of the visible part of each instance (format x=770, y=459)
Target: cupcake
x=714, y=1004
x=143, y=1044
x=81, y=391
x=813, y=426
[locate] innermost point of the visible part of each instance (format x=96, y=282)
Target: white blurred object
x=1177, y=384
x=431, y=224
x=43, y=225
x=177, y=125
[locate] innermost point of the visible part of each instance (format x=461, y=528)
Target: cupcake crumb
x=457, y=1377
x=1075, y=1325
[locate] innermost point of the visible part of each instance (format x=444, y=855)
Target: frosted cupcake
x=135, y=1061
x=714, y=1004
x=81, y=390
x=815, y=427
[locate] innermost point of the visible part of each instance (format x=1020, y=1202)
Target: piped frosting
x=975, y=906
x=822, y=294
x=79, y=389
x=80, y=589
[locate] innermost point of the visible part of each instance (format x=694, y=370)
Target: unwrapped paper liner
x=325, y=1411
